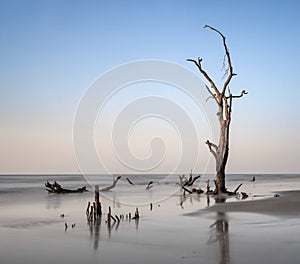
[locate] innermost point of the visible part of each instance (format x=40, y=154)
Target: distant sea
x=22, y=185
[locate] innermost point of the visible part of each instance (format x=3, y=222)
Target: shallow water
x=32, y=230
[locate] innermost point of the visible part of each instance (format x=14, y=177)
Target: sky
x=52, y=51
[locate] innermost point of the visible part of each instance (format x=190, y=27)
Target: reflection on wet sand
x=220, y=234
x=95, y=231
x=219, y=229
x=191, y=198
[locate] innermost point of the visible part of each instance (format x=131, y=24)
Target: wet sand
x=284, y=204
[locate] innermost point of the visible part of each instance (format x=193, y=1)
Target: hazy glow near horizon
x=51, y=51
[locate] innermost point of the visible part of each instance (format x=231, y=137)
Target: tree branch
x=230, y=68
x=212, y=84
x=213, y=96
x=237, y=96
x=211, y=146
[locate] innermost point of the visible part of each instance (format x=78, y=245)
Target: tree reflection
x=95, y=231
x=221, y=235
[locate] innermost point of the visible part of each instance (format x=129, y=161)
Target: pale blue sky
x=51, y=51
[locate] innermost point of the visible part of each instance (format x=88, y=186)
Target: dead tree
x=223, y=98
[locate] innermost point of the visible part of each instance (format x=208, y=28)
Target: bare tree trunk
x=221, y=180
x=224, y=103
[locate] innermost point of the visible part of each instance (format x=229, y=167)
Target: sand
x=261, y=229
x=283, y=204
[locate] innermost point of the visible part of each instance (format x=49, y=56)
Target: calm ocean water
x=27, y=182
x=32, y=229
x=27, y=187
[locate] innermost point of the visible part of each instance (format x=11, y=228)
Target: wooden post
x=207, y=187
x=88, y=209
x=98, y=204
x=109, y=216
x=97, y=193
x=95, y=211
x=137, y=214
x=117, y=217
x=91, y=214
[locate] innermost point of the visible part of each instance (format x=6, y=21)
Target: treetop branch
x=212, y=84
x=230, y=68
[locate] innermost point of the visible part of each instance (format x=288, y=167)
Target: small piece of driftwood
x=150, y=185
x=129, y=181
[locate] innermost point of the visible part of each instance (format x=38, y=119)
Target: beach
x=178, y=229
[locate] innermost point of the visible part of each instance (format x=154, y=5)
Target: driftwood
x=253, y=179
x=186, y=190
x=188, y=182
x=244, y=195
x=191, y=180
x=136, y=215
x=115, y=180
x=56, y=188
x=182, y=180
x=237, y=188
x=129, y=181
x=87, y=212
x=216, y=193
x=194, y=190
x=98, y=208
x=199, y=190
x=150, y=185
x=94, y=210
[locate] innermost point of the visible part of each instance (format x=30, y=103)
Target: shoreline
x=286, y=204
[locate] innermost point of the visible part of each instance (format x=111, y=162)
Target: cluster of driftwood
x=118, y=218
x=185, y=183
x=94, y=211
x=56, y=188
x=94, y=214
